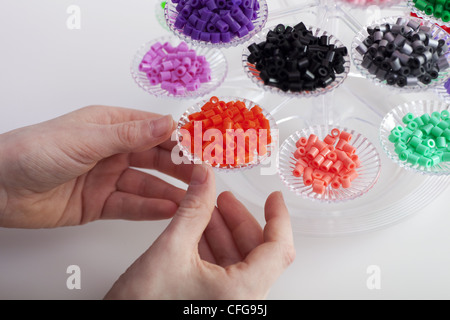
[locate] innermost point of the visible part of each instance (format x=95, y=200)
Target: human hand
x=209, y=252
x=76, y=169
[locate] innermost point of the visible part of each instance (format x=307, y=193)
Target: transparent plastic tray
x=368, y=171
x=171, y=14
x=253, y=74
x=437, y=33
x=368, y=3
x=356, y=104
x=442, y=92
x=216, y=59
x=394, y=119
x=257, y=159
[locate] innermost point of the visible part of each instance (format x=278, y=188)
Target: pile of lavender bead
x=404, y=53
x=177, y=69
x=216, y=21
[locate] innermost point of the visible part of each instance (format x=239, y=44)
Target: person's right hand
x=80, y=167
x=209, y=252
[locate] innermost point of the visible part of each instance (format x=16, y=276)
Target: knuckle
x=288, y=254
x=192, y=202
x=128, y=134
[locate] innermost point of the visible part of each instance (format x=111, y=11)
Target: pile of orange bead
x=244, y=133
x=331, y=162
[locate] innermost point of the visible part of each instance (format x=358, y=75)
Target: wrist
x=3, y=193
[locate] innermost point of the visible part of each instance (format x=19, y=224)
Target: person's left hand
x=78, y=168
x=212, y=251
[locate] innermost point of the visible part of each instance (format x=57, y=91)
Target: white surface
x=47, y=70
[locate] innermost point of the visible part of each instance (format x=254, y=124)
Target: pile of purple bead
x=216, y=21
x=447, y=86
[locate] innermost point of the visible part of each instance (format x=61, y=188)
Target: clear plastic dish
x=368, y=172
x=423, y=15
x=257, y=159
x=159, y=13
x=394, y=118
x=171, y=14
x=442, y=92
x=437, y=33
x=368, y=3
x=215, y=58
x=253, y=74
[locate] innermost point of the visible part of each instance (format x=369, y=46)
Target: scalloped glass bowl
x=171, y=14
x=257, y=159
x=394, y=118
x=441, y=91
x=368, y=172
x=423, y=15
x=437, y=32
x=215, y=57
x=368, y=3
x=253, y=74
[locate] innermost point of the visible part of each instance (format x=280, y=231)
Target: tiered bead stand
x=357, y=104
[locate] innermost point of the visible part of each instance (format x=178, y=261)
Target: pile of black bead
x=403, y=53
x=292, y=58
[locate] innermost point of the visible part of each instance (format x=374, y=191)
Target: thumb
x=135, y=136
x=195, y=210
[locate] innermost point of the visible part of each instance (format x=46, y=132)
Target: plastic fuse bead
x=404, y=53
x=368, y=2
x=245, y=133
x=330, y=162
x=447, y=86
x=177, y=69
x=440, y=9
x=424, y=140
x=293, y=59
x=216, y=21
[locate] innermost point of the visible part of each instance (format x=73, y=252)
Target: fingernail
x=162, y=126
x=199, y=174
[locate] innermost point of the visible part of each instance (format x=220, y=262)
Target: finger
x=126, y=206
x=221, y=241
x=146, y=185
x=168, y=145
x=103, y=141
x=99, y=114
x=161, y=160
x=278, y=222
x=266, y=262
x=194, y=211
x=139, y=135
x=246, y=231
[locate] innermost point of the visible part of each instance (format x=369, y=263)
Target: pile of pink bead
x=176, y=69
x=372, y=2
x=216, y=21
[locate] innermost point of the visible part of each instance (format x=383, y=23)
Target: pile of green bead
x=425, y=139
x=440, y=9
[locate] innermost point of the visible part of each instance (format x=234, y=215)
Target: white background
x=47, y=70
